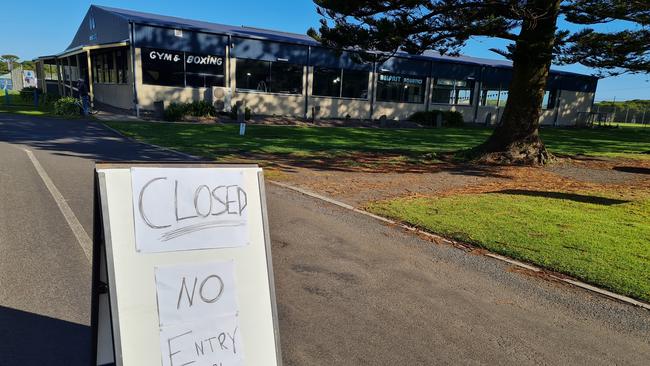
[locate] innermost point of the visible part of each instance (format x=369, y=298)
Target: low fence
x=624, y=115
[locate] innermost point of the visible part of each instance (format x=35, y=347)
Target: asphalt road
x=351, y=291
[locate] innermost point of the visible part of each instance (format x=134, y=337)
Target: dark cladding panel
x=328, y=58
x=404, y=66
x=495, y=76
x=167, y=38
x=578, y=83
x=269, y=51
x=455, y=71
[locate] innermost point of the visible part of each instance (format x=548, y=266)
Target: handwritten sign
x=198, y=314
x=209, y=343
x=188, y=293
x=182, y=209
x=184, y=251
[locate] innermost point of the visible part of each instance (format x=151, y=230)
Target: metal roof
x=198, y=25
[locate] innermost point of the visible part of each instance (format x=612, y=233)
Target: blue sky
x=34, y=28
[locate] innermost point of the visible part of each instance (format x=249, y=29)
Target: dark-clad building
x=138, y=62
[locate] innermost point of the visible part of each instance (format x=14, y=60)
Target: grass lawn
x=602, y=241
x=223, y=141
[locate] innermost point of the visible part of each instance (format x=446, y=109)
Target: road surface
x=351, y=290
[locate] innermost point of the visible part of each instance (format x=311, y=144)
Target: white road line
x=73, y=222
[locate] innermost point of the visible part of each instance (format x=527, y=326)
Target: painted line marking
x=74, y=224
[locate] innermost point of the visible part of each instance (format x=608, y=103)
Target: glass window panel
x=397, y=88
x=204, y=70
x=162, y=67
x=503, y=98
x=122, y=67
x=443, y=94
x=286, y=78
x=447, y=91
x=355, y=84
x=253, y=75
x=327, y=82
x=548, y=102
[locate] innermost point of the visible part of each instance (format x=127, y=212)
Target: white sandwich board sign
x=182, y=266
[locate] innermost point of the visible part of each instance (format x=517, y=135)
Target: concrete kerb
x=434, y=237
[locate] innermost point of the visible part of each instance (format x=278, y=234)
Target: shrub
x=452, y=119
x=234, y=110
x=27, y=94
x=176, y=112
x=429, y=118
x=49, y=99
x=67, y=106
x=201, y=109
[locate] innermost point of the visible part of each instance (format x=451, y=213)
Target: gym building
x=137, y=63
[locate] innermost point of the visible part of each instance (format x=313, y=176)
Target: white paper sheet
x=189, y=208
x=207, y=343
x=195, y=292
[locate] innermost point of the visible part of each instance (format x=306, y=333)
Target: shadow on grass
x=564, y=196
x=632, y=169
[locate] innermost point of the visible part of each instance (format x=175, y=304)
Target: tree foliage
x=446, y=25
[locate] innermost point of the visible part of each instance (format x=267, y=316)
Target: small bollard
x=36, y=98
x=439, y=120
x=241, y=118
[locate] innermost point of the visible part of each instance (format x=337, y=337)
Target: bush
x=49, y=99
x=27, y=94
x=234, y=110
x=429, y=118
x=201, y=109
x=67, y=106
x=176, y=112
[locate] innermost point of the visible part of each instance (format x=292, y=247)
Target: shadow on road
x=77, y=138
x=30, y=339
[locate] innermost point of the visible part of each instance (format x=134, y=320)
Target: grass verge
x=220, y=141
x=600, y=240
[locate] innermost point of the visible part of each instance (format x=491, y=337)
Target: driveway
x=351, y=290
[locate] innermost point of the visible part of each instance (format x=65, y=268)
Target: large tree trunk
x=516, y=139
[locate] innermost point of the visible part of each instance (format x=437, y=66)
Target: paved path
x=351, y=291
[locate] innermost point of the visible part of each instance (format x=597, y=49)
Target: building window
x=91, y=23
x=448, y=91
x=268, y=76
x=286, y=78
x=548, y=102
x=338, y=83
x=253, y=75
x=162, y=67
x=401, y=89
x=110, y=66
x=203, y=71
x=492, y=96
x=121, y=65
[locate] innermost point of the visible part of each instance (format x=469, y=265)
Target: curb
x=440, y=239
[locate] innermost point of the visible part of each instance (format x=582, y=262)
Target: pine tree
x=382, y=27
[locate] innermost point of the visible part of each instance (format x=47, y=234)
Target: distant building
x=137, y=61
